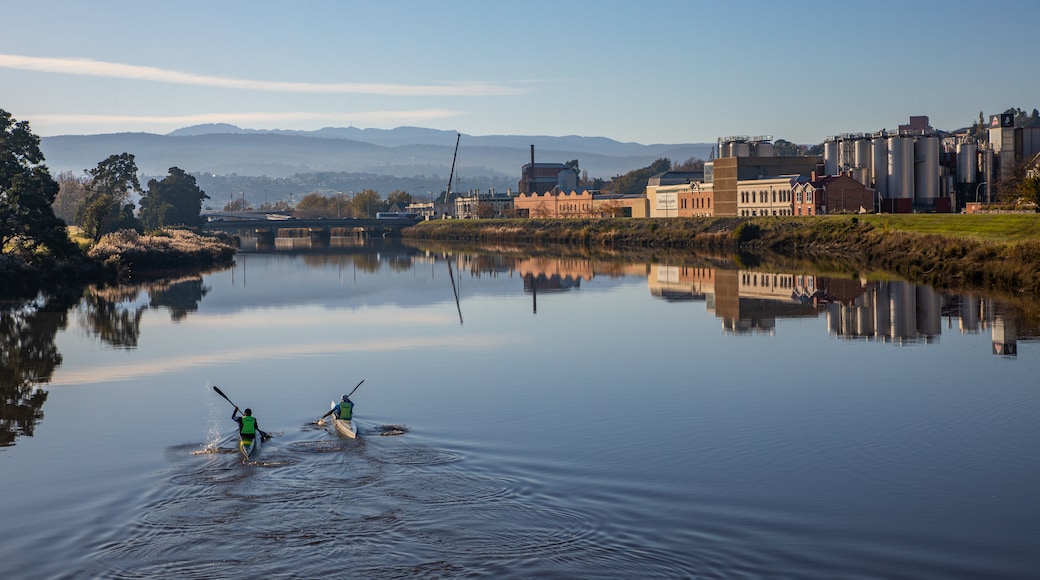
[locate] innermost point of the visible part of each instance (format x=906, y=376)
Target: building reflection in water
x=751, y=301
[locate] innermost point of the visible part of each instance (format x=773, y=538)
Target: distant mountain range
x=223, y=149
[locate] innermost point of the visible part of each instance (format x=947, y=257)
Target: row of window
x=781, y=211
x=698, y=203
x=781, y=196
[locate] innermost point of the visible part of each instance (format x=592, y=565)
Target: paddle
x=263, y=434
x=321, y=420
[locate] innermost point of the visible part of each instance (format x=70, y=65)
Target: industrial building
x=544, y=177
x=749, y=158
x=902, y=166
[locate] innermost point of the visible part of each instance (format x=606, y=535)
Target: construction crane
x=447, y=192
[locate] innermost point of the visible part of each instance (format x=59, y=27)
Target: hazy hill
x=224, y=149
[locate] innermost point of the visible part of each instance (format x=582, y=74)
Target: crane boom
x=447, y=192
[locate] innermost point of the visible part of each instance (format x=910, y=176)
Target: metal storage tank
x=862, y=154
x=900, y=168
x=862, y=175
x=830, y=157
x=879, y=165
x=764, y=149
x=741, y=149
x=725, y=150
x=926, y=168
x=966, y=162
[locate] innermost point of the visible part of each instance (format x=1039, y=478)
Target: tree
x=238, y=204
x=691, y=164
x=108, y=208
x=635, y=181
x=176, y=199
x=367, y=203
x=1029, y=189
x=485, y=210
x=72, y=195
x=401, y=198
x=27, y=190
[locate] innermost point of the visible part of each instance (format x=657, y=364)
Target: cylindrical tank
x=926, y=168
x=862, y=175
x=862, y=154
x=966, y=162
x=900, y=168
x=764, y=149
x=725, y=150
x=741, y=149
x=879, y=165
x=830, y=157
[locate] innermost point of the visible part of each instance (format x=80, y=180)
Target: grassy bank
x=998, y=253
x=118, y=257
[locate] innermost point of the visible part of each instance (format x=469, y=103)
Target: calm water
x=520, y=417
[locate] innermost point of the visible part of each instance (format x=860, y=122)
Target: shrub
x=746, y=232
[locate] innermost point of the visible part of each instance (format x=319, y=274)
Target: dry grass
x=169, y=248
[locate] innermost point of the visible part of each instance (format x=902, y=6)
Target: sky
x=644, y=71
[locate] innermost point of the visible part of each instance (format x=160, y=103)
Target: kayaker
x=343, y=410
x=247, y=425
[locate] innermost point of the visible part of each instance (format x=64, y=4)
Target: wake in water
x=391, y=430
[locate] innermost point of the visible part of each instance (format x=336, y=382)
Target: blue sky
x=648, y=71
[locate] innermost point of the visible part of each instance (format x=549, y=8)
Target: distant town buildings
x=912, y=169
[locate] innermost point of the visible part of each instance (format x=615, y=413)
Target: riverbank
x=994, y=253
x=119, y=257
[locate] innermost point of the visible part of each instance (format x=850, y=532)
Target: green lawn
x=990, y=227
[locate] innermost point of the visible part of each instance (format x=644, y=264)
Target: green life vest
x=248, y=425
x=345, y=410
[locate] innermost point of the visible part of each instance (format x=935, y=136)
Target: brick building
x=832, y=194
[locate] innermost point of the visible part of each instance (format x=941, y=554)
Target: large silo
x=830, y=157
x=741, y=149
x=966, y=162
x=879, y=164
x=764, y=149
x=926, y=169
x=862, y=158
x=900, y=168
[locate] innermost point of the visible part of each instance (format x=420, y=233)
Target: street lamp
x=977, y=190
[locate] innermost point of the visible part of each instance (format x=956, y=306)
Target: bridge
x=267, y=228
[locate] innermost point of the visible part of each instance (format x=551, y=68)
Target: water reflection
x=746, y=301
x=29, y=355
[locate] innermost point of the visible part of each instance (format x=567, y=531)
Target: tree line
x=35, y=208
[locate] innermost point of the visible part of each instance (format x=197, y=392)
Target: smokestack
x=532, y=155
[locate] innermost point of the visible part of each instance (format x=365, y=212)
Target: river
x=521, y=416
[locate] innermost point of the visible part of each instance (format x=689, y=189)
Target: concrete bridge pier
x=265, y=236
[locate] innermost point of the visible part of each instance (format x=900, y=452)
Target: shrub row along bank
x=956, y=259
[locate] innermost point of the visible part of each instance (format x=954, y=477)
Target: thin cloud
x=96, y=68
x=412, y=116
x=137, y=371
